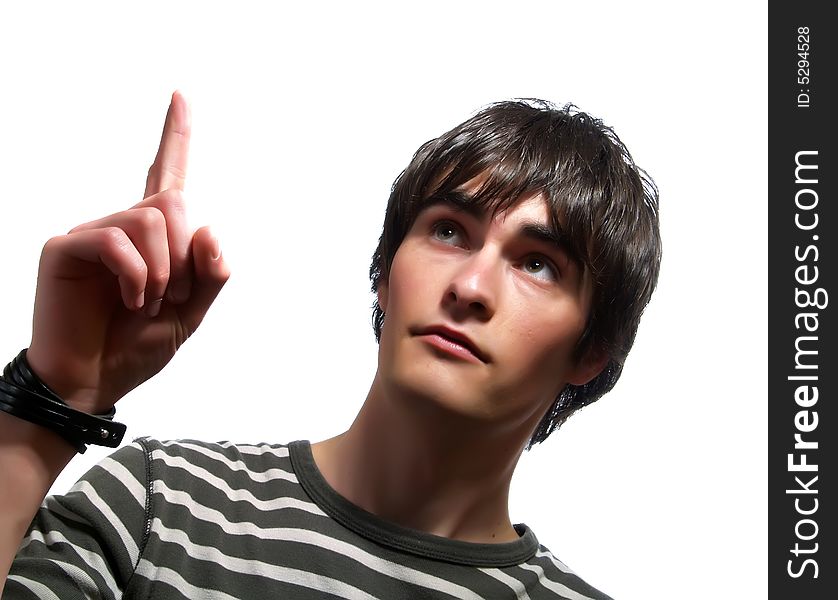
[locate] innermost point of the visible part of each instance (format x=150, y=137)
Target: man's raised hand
x=116, y=297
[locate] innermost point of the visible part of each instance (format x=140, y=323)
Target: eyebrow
x=459, y=201
x=551, y=236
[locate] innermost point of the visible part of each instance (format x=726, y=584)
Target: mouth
x=454, y=341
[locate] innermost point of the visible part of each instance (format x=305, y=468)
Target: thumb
x=211, y=273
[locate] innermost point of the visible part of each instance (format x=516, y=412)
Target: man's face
x=520, y=299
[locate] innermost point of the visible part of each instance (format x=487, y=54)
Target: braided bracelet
x=24, y=395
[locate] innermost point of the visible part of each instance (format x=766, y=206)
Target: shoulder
x=557, y=577
x=218, y=470
x=245, y=455
x=214, y=462
x=200, y=486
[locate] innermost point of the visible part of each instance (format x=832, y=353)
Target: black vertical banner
x=802, y=258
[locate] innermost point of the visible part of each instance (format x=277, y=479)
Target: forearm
x=31, y=457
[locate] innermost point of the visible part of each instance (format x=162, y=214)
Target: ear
x=383, y=293
x=588, y=367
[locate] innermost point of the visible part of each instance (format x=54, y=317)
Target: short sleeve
x=86, y=543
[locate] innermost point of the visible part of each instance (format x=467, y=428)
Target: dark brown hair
x=606, y=204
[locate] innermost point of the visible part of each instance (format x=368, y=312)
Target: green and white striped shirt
x=190, y=519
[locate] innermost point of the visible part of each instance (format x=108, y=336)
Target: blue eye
x=537, y=265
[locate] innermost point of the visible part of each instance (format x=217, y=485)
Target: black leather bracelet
x=25, y=396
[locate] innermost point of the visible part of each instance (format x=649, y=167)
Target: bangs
x=509, y=168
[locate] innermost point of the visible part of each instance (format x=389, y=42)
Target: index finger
x=169, y=167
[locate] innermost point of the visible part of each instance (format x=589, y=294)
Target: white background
x=303, y=117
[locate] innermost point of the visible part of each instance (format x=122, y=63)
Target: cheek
x=406, y=300
x=407, y=286
x=540, y=344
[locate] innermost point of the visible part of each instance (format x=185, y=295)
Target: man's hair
x=605, y=204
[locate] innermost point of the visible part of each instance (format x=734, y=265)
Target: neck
x=415, y=464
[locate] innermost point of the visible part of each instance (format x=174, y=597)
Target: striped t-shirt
x=189, y=519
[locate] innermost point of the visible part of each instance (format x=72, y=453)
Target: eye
x=446, y=232
x=541, y=268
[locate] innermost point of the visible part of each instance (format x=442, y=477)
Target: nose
x=474, y=287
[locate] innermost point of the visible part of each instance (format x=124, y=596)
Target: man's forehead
x=533, y=205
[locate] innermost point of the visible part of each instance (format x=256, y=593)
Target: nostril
x=463, y=301
x=479, y=305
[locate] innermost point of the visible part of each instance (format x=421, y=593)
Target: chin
x=447, y=387
x=429, y=388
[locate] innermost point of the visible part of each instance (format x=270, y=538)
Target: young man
x=518, y=253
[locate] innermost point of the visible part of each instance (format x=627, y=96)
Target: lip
x=454, y=342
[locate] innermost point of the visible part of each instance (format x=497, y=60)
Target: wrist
x=24, y=395
x=52, y=373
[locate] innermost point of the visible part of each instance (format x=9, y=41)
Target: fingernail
x=153, y=309
x=141, y=299
x=216, y=248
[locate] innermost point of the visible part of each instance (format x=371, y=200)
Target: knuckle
x=113, y=236
x=52, y=245
x=150, y=217
x=53, y=241
x=142, y=271
x=172, y=199
x=176, y=171
x=157, y=279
